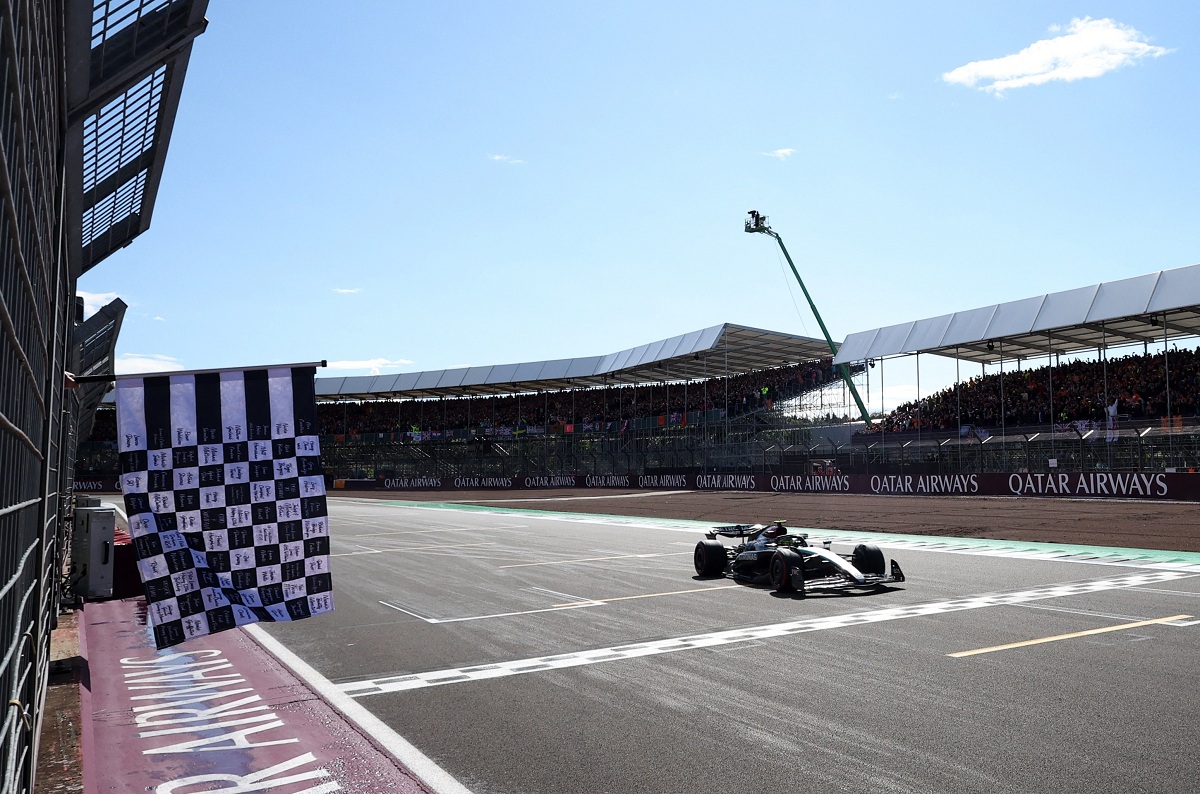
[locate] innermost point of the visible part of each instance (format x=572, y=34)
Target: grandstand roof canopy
x=126, y=62
x=1133, y=310
x=95, y=343
x=712, y=352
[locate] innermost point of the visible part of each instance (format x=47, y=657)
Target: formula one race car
x=768, y=554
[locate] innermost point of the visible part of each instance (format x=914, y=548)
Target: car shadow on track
x=834, y=593
x=794, y=595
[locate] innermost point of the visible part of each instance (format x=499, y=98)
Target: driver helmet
x=775, y=530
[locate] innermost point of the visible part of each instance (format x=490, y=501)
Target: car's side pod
x=897, y=574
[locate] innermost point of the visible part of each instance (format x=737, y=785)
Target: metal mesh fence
x=35, y=417
x=748, y=446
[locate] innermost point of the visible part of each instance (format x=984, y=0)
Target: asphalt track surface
x=549, y=652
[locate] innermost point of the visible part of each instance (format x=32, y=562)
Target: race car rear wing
x=741, y=531
x=746, y=532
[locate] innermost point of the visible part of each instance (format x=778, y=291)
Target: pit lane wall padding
x=1123, y=485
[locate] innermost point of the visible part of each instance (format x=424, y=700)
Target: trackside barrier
x=1122, y=485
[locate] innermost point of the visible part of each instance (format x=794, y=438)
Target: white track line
x=409, y=549
x=1164, y=590
x=595, y=559
x=410, y=614
x=498, y=614
x=399, y=683
x=573, y=598
x=437, y=779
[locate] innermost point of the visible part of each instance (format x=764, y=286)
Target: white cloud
x=1089, y=48
x=504, y=158
x=159, y=319
x=95, y=301
x=779, y=154
x=138, y=363
x=374, y=365
x=341, y=291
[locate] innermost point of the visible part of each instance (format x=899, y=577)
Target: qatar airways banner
x=682, y=482
x=102, y=483
x=1123, y=485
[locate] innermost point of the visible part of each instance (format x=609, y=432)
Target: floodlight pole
x=758, y=223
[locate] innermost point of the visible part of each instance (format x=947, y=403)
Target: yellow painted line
x=646, y=595
x=595, y=559
x=1056, y=638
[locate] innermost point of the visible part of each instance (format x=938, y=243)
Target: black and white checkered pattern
x=225, y=493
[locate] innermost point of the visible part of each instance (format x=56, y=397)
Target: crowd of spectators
x=1072, y=392
x=104, y=425
x=595, y=407
x=583, y=408
x=1133, y=386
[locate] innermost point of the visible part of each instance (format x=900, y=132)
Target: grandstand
x=736, y=400
x=719, y=351
x=1132, y=412
x=1136, y=411
x=707, y=399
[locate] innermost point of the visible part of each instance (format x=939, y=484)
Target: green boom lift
x=758, y=223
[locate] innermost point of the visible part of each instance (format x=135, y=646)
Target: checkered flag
x=222, y=478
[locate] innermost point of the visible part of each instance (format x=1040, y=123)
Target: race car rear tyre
x=782, y=564
x=867, y=558
x=710, y=558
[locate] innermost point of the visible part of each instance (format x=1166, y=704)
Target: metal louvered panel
x=126, y=63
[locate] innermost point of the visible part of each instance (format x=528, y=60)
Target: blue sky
x=401, y=186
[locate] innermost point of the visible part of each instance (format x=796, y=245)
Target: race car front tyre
x=782, y=564
x=868, y=558
x=710, y=558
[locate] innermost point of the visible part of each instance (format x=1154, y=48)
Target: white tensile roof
x=711, y=352
x=1140, y=309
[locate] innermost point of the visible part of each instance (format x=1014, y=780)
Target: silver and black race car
x=767, y=554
